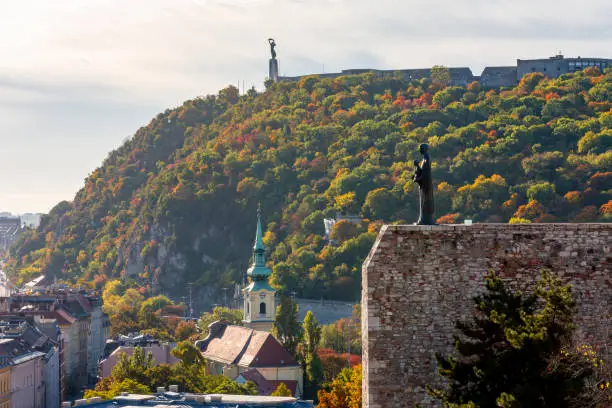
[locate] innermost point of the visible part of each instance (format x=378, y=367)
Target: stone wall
x=418, y=280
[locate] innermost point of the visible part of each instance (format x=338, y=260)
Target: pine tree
x=505, y=351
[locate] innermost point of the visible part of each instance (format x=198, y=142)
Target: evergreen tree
x=506, y=352
x=312, y=333
x=287, y=327
x=311, y=361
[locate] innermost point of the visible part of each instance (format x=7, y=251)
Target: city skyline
x=76, y=80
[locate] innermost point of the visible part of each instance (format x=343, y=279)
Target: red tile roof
x=267, y=387
x=62, y=316
x=229, y=347
x=247, y=348
x=265, y=351
x=264, y=387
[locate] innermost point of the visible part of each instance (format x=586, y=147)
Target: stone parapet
x=419, y=280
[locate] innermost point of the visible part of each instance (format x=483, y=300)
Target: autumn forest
x=176, y=203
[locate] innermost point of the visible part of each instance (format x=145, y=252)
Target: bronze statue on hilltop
x=272, y=45
x=422, y=176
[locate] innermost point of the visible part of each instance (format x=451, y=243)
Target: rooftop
x=244, y=347
x=196, y=400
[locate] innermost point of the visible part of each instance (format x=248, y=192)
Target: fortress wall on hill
x=419, y=280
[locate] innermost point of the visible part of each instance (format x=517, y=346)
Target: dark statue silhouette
x=422, y=176
x=272, y=45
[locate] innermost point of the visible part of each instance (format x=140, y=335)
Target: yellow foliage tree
x=344, y=391
x=281, y=391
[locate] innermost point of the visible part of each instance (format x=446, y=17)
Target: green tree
x=312, y=333
x=281, y=391
x=505, y=351
x=232, y=316
x=109, y=390
x=440, y=75
x=287, y=326
x=312, y=363
x=380, y=204
x=133, y=367
x=184, y=330
x=187, y=353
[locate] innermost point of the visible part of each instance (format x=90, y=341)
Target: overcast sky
x=79, y=76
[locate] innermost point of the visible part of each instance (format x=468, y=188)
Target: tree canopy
x=518, y=351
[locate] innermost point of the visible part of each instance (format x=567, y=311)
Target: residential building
x=233, y=350
x=54, y=363
x=83, y=327
x=126, y=345
x=46, y=369
x=26, y=387
x=52, y=377
x=99, y=331
x=5, y=382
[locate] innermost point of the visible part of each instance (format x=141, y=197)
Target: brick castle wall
x=419, y=280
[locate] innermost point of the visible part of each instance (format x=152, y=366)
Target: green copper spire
x=259, y=235
x=259, y=271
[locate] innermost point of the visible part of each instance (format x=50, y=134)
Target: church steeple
x=259, y=301
x=259, y=270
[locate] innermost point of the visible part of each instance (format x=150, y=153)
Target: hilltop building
x=558, y=65
x=491, y=77
x=259, y=300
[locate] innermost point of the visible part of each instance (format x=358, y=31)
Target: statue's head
x=271, y=41
x=423, y=148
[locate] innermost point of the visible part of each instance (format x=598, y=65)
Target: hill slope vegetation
x=177, y=202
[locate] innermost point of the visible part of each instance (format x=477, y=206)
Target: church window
x=262, y=308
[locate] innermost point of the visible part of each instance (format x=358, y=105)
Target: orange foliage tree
x=344, y=391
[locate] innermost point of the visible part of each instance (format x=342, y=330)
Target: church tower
x=259, y=303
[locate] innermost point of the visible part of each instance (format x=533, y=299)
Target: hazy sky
x=77, y=77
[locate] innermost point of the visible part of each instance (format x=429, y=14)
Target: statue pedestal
x=273, y=69
x=419, y=280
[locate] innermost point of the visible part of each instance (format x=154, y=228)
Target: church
x=250, y=352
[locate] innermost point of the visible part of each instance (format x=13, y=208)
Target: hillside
x=176, y=203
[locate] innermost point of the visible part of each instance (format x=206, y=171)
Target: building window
x=262, y=308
